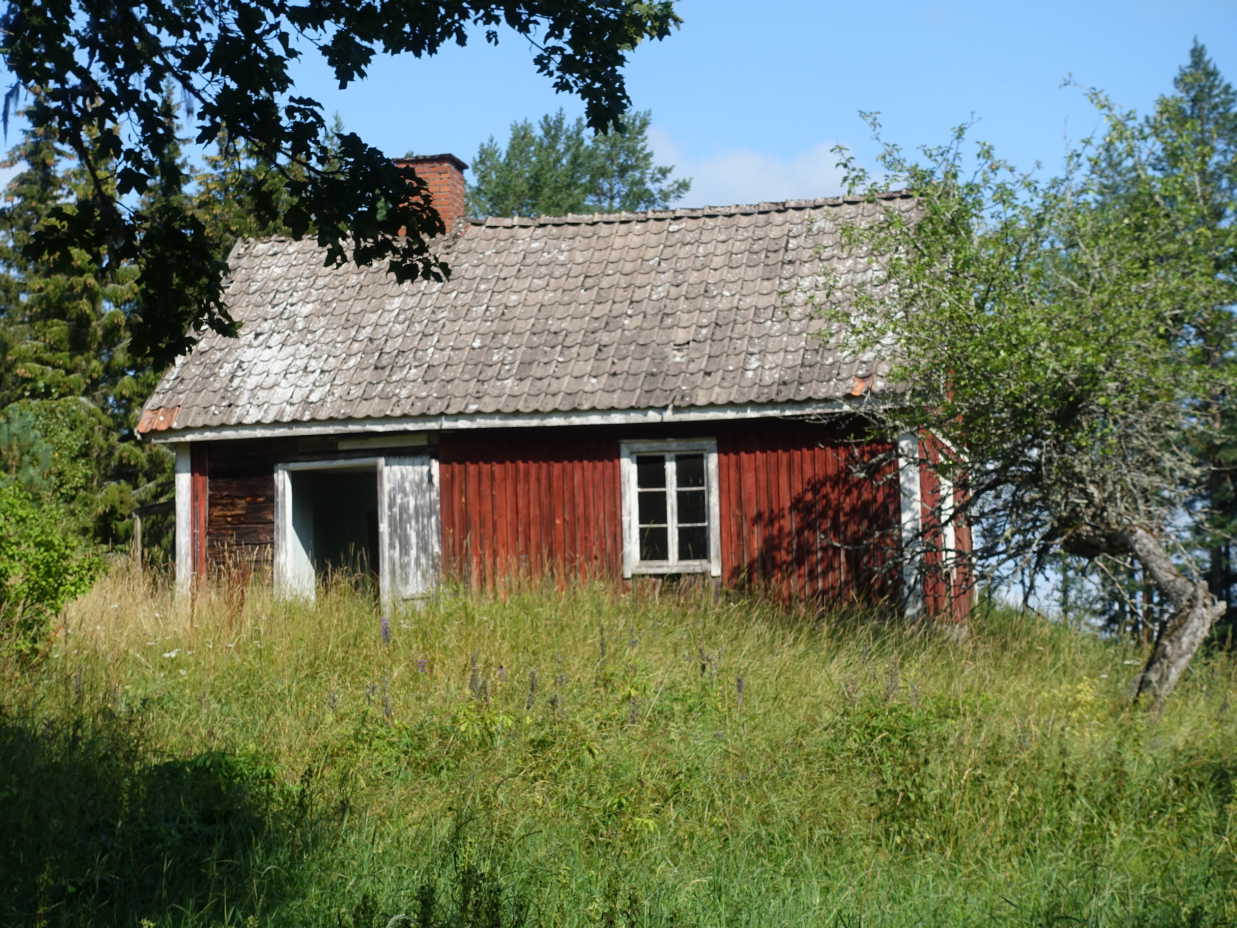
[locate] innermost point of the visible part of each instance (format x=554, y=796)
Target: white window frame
x=632, y=565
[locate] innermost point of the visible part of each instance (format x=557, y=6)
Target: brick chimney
x=444, y=176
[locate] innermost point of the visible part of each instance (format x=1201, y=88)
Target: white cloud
x=745, y=175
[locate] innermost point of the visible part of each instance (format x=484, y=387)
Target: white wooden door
x=409, y=528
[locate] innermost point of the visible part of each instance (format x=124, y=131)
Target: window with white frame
x=670, y=507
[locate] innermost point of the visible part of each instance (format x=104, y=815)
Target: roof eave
x=866, y=404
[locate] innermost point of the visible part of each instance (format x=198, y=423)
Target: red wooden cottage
x=603, y=395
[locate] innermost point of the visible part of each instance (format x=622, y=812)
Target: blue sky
x=749, y=98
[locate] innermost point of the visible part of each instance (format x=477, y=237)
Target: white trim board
x=911, y=506
x=184, y=519
x=644, y=416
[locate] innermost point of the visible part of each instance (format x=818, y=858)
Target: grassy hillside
x=569, y=758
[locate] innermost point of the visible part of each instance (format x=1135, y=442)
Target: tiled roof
x=701, y=307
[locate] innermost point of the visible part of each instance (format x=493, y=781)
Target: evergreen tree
x=71, y=390
x=560, y=167
x=1199, y=124
x=239, y=195
x=64, y=323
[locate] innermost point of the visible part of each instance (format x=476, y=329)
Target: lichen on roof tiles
x=569, y=313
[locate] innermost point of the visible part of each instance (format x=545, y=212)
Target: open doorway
x=328, y=523
x=373, y=519
x=338, y=523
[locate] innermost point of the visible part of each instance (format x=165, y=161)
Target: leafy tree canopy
x=559, y=167
x=1053, y=332
x=97, y=72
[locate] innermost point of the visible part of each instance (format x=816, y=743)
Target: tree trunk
x=1194, y=611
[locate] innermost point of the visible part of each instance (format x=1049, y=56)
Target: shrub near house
x=42, y=567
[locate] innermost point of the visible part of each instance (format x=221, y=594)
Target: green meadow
x=569, y=757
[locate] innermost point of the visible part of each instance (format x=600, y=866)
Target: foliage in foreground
x=70, y=386
x=43, y=565
x=572, y=758
x=101, y=73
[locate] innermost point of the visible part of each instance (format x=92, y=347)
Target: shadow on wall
x=95, y=834
x=834, y=540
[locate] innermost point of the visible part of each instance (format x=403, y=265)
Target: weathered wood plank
x=413, y=530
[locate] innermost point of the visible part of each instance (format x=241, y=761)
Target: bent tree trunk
x=1195, y=610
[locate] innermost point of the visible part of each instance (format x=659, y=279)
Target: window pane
x=691, y=507
x=654, y=544
x=653, y=507
x=690, y=470
x=694, y=543
x=650, y=470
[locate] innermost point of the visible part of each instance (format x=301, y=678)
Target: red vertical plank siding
x=771, y=516
x=796, y=579
x=612, y=542
x=728, y=500
x=785, y=505
x=199, y=495
x=795, y=520
x=471, y=522
x=576, y=536
x=808, y=509
x=559, y=504
x=503, y=475
x=826, y=463
x=492, y=480
x=552, y=499
x=520, y=537
x=752, y=513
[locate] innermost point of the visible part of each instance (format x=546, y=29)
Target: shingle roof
x=701, y=307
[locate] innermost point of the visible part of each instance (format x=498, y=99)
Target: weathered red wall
x=240, y=511
x=808, y=510
x=797, y=519
x=530, y=502
x=234, y=503
x=199, y=496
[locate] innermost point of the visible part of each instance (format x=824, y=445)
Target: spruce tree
x=1199, y=124
x=239, y=195
x=559, y=167
x=70, y=383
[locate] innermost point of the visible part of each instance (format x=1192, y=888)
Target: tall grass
x=571, y=757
